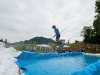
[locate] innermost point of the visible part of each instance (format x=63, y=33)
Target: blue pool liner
x=25, y=55
x=92, y=69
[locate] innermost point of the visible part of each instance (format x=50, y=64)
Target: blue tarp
x=34, y=55
x=26, y=55
x=92, y=69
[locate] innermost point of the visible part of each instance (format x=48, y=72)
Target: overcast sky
x=22, y=20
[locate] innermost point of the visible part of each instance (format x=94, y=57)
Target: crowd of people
x=63, y=50
x=29, y=48
x=89, y=48
x=93, y=48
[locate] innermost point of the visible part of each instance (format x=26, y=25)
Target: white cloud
x=23, y=20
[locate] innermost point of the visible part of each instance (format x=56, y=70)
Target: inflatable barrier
x=92, y=69
x=34, y=55
x=25, y=55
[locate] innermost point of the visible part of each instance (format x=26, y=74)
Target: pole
x=64, y=29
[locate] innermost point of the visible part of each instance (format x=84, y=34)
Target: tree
x=76, y=41
x=68, y=41
x=87, y=33
x=92, y=35
x=96, y=23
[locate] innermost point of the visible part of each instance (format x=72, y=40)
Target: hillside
x=40, y=40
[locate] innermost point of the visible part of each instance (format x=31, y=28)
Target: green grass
x=19, y=47
x=76, y=45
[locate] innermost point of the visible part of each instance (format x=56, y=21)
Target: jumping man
x=57, y=34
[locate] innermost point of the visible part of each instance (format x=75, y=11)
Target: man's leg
x=59, y=41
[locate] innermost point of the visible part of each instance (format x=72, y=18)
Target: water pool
x=54, y=64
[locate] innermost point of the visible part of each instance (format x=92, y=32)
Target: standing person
x=1, y=40
x=57, y=34
x=5, y=41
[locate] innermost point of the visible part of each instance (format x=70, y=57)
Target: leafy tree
x=96, y=23
x=88, y=34
x=76, y=41
x=92, y=35
x=26, y=41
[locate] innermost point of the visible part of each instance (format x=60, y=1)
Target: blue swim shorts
x=58, y=36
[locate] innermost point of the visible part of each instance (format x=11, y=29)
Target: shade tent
x=44, y=46
x=65, y=46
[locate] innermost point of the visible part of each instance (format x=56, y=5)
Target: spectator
x=5, y=41
x=1, y=40
x=23, y=47
x=34, y=49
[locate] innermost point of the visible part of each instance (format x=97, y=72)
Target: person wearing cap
x=57, y=34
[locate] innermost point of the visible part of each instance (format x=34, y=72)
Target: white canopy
x=65, y=46
x=44, y=45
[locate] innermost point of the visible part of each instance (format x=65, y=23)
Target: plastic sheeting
x=92, y=69
x=25, y=55
x=34, y=55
